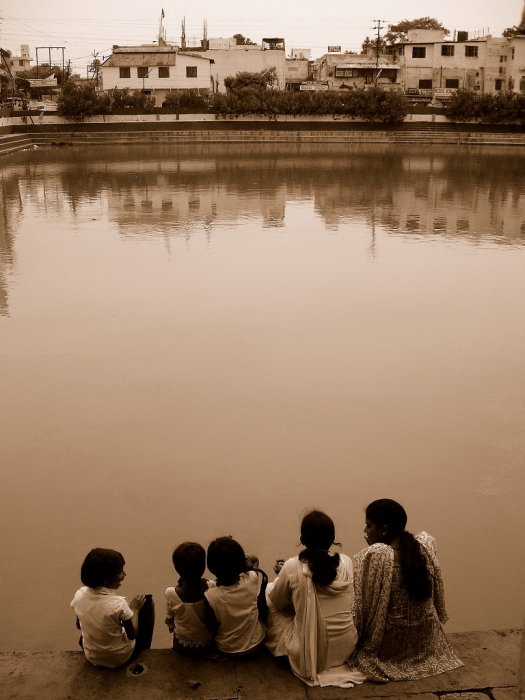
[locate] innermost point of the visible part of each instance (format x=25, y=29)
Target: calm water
x=198, y=342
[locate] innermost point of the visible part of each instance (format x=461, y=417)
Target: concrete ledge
x=490, y=673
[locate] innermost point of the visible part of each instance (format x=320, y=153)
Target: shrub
x=498, y=108
x=124, y=98
x=78, y=101
x=186, y=99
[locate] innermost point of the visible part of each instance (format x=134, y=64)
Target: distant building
x=156, y=70
x=19, y=64
x=357, y=71
x=298, y=68
x=230, y=58
x=435, y=66
x=301, y=54
x=516, y=63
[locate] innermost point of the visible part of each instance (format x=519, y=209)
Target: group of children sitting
x=206, y=617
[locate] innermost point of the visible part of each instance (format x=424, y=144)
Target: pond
x=200, y=341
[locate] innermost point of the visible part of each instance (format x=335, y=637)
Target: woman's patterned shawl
x=373, y=570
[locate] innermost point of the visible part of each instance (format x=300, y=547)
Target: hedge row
x=489, y=108
x=78, y=101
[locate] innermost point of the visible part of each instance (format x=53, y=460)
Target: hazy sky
x=84, y=27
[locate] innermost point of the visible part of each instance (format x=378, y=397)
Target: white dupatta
x=307, y=648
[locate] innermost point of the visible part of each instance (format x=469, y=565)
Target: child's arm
x=131, y=626
x=170, y=621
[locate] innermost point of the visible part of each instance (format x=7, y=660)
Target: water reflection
x=267, y=362
x=474, y=194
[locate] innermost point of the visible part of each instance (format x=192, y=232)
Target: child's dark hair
x=226, y=560
x=189, y=560
x=318, y=535
x=416, y=577
x=100, y=567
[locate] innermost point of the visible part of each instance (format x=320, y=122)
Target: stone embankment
x=490, y=673
x=255, y=132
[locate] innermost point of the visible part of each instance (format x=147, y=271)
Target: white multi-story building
x=156, y=70
x=516, y=63
x=434, y=65
x=19, y=64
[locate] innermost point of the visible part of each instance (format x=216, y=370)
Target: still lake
x=200, y=341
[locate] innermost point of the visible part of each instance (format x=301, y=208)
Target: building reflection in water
x=476, y=194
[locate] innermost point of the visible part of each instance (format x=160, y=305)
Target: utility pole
x=378, y=28
x=95, y=67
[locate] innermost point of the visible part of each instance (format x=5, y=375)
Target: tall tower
x=183, y=34
x=162, y=32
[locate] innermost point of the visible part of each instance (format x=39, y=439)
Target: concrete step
x=489, y=673
x=14, y=142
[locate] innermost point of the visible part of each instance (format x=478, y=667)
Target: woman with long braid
x=399, y=603
x=310, y=608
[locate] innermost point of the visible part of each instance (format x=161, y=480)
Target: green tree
x=186, y=100
x=398, y=33
x=78, y=101
x=124, y=98
x=369, y=43
x=44, y=70
x=259, y=81
x=243, y=40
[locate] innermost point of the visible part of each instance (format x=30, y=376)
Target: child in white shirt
x=189, y=616
x=113, y=631
x=235, y=599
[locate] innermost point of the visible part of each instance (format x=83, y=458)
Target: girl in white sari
x=310, y=602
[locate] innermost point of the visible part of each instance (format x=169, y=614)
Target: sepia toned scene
x=262, y=378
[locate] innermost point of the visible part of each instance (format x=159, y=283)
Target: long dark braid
x=416, y=577
x=317, y=535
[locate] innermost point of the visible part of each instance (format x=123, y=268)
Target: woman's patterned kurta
x=399, y=638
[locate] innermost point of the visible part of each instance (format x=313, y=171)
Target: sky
x=85, y=28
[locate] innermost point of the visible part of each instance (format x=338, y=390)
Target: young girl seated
x=113, y=632
x=235, y=599
x=188, y=614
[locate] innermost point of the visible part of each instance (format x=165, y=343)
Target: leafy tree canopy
x=243, y=40
x=260, y=81
x=369, y=43
x=513, y=31
x=399, y=32
x=44, y=70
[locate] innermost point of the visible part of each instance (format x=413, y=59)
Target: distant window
x=452, y=83
x=498, y=85
x=125, y=72
x=419, y=51
x=502, y=70
x=142, y=72
x=401, y=50
x=502, y=59
x=447, y=50
x=164, y=72
x=512, y=52
x=191, y=71
x=471, y=51
x=425, y=84
x=21, y=63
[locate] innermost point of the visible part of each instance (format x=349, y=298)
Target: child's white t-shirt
x=235, y=608
x=100, y=612
x=189, y=618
